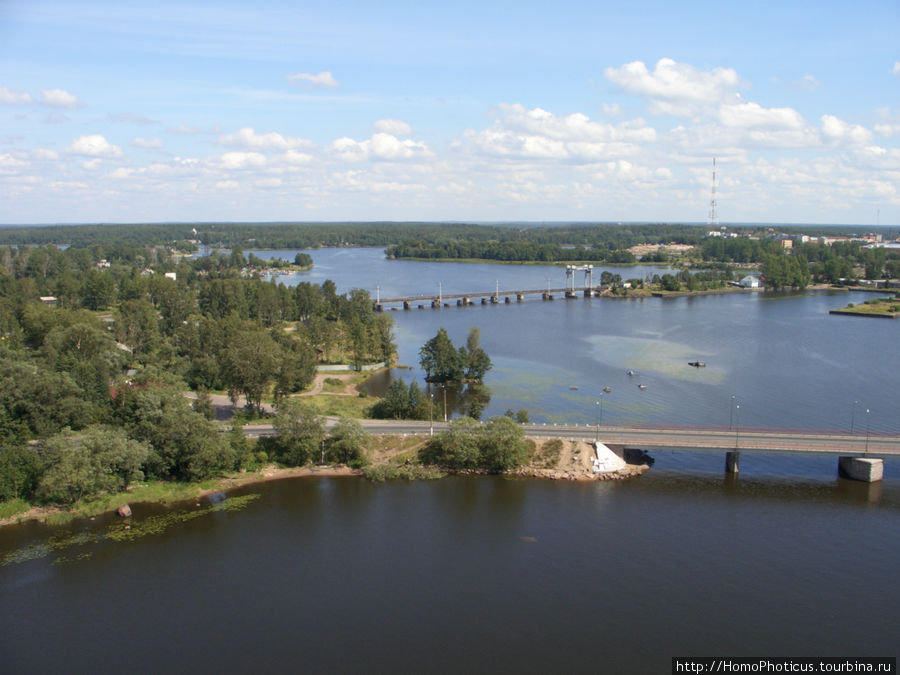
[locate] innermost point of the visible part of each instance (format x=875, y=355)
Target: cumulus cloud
x=59, y=98
x=393, y=127
x=10, y=97
x=45, y=154
x=94, y=145
x=896, y=69
x=539, y=134
x=836, y=131
x=380, y=146
x=151, y=143
x=676, y=88
x=242, y=160
x=754, y=115
x=323, y=80
x=248, y=138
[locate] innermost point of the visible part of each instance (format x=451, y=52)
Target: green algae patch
x=155, y=525
x=127, y=531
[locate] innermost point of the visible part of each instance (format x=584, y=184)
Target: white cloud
x=10, y=97
x=539, y=134
x=887, y=130
x=242, y=160
x=836, y=130
x=248, y=138
x=45, y=154
x=612, y=109
x=380, y=146
x=94, y=145
x=323, y=80
x=754, y=115
x=59, y=98
x=676, y=88
x=896, y=69
x=151, y=143
x=393, y=127
x=227, y=185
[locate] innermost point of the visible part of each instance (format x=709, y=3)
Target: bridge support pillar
x=493, y=299
x=506, y=299
x=865, y=469
x=588, y=292
x=484, y=301
x=732, y=462
x=379, y=307
x=466, y=301
x=406, y=304
x=520, y=297
x=435, y=304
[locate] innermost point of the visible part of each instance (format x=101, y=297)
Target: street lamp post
x=731, y=414
x=599, y=416
x=853, y=417
x=737, y=427
x=431, y=412
x=444, y=389
x=867, y=432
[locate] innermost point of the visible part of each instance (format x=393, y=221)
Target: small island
x=879, y=308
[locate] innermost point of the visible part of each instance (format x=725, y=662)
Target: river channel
x=492, y=574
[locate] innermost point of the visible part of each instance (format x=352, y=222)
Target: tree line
x=98, y=346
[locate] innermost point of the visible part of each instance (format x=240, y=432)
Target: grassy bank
x=883, y=308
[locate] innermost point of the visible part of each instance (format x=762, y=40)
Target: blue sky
x=488, y=111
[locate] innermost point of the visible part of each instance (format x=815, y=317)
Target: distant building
x=49, y=300
x=750, y=281
x=171, y=275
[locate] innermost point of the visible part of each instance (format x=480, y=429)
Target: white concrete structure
x=605, y=460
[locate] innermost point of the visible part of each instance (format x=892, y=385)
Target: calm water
x=492, y=574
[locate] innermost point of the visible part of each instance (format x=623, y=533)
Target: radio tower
x=713, y=211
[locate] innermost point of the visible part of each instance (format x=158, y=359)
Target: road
x=683, y=438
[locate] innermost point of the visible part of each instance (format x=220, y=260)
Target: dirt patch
x=571, y=460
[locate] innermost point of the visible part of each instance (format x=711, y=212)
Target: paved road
x=744, y=439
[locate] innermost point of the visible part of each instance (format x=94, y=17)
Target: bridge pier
x=506, y=299
x=520, y=297
x=379, y=307
x=493, y=299
x=865, y=469
x=732, y=462
x=406, y=304
x=435, y=304
x=588, y=292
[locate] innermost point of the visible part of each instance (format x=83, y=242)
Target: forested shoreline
x=98, y=346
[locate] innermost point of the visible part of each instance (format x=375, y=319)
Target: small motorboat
x=697, y=364
x=573, y=388
x=607, y=389
x=642, y=386
x=629, y=372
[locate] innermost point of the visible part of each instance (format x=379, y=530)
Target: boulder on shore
x=124, y=510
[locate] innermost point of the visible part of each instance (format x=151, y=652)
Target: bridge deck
x=488, y=294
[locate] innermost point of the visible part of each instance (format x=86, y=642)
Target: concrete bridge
x=860, y=456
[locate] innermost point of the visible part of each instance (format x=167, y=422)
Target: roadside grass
x=340, y=406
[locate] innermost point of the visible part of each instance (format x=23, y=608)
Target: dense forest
x=99, y=345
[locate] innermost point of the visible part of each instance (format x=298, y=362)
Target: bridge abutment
x=865, y=469
x=732, y=462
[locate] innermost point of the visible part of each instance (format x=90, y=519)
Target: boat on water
x=607, y=389
x=697, y=364
x=642, y=386
x=629, y=372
